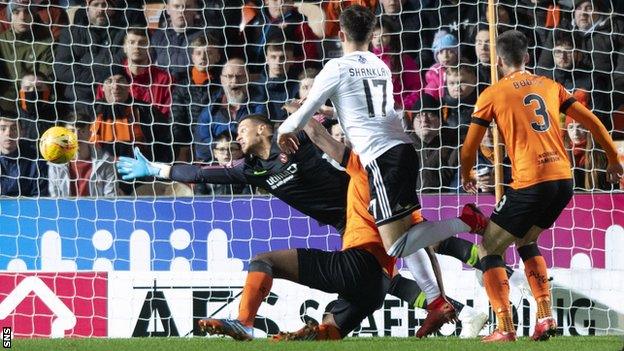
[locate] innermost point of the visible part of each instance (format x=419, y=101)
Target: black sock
x=405, y=289
x=462, y=250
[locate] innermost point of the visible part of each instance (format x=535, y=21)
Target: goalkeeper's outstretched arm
x=138, y=167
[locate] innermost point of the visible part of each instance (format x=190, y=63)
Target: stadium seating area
x=173, y=78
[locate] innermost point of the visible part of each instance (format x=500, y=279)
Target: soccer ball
x=58, y=145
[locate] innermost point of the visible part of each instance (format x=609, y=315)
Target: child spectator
x=92, y=173
x=21, y=173
x=454, y=17
x=446, y=53
x=279, y=85
x=460, y=97
x=194, y=89
x=405, y=72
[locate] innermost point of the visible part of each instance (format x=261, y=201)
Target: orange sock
x=537, y=276
x=257, y=288
x=497, y=288
x=328, y=332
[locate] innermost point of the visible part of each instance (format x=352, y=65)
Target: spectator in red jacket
x=149, y=84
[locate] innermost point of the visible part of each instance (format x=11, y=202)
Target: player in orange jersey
x=525, y=107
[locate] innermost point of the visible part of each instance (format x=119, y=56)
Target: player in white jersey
x=360, y=87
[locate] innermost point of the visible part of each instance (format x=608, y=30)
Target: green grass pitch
x=598, y=343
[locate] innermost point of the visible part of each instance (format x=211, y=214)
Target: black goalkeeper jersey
x=303, y=180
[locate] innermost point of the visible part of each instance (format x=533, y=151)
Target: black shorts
x=538, y=205
x=392, y=181
x=354, y=274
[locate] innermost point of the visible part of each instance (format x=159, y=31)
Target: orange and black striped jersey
x=526, y=108
x=361, y=231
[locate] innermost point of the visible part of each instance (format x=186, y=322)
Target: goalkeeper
x=298, y=180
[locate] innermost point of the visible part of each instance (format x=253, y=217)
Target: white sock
x=425, y=234
x=419, y=264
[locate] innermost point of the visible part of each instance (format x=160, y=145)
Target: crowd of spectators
x=174, y=82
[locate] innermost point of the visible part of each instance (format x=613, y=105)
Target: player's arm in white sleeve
x=324, y=86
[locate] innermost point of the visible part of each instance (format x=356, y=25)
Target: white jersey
x=359, y=86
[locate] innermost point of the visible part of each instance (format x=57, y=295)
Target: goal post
x=498, y=149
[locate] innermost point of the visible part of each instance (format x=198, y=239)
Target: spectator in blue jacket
x=236, y=99
x=21, y=174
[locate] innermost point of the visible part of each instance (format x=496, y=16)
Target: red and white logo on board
x=54, y=304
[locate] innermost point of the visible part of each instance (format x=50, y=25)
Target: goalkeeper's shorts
x=354, y=274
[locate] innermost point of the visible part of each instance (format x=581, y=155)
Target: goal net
x=84, y=253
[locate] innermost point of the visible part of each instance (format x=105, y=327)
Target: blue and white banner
x=147, y=234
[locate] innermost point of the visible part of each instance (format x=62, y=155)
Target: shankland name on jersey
x=359, y=86
x=369, y=72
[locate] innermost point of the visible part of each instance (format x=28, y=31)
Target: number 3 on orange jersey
x=539, y=111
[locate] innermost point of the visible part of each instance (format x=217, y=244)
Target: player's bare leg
x=263, y=269
x=537, y=276
x=495, y=241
